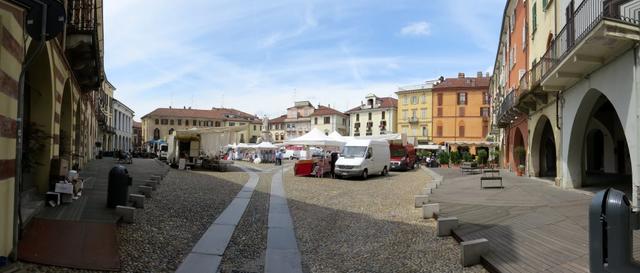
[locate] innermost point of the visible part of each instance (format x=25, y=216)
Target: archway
x=543, y=149
x=519, y=151
x=39, y=109
x=66, y=121
x=598, y=151
x=156, y=134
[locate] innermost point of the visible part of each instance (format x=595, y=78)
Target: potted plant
x=482, y=158
x=455, y=158
x=496, y=158
x=443, y=159
x=520, y=154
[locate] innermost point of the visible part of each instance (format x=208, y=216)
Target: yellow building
x=276, y=127
x=415, y=113
x=162, y=122
x=59, y=98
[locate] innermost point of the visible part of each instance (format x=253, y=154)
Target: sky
x=259, y=56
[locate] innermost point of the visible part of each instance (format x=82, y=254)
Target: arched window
x=156, y=134
x=157, y=121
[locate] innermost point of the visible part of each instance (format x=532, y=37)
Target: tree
x=482, y=156
x=443, y=158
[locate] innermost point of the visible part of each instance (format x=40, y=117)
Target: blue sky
x=258, y=56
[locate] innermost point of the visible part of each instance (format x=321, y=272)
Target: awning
x=315, y=138
x=429, y=147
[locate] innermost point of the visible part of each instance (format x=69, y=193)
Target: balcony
x=413, y=120
x=599, y=31
x=83, y=45
x=528, y=94
x=509, y=110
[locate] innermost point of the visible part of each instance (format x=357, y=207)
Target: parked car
x=403, y=157
x=363, y=157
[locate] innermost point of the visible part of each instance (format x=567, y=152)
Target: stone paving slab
x=531, y=225
x=215, y=240
x=279, y=260
x=203, y=263
x=232, y=214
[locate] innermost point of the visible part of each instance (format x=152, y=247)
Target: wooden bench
x=491, y=175
x=467, y=167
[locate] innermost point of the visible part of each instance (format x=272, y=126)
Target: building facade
x=162, y=122
x=328, y=120
x=137, y=136
x=415, y=112
x=104, y=117
x=298, y=121
x=374, y=117
x=277, y=129
x=123, y=124
x=59, y=102
x=579, y=94
x=461, y=112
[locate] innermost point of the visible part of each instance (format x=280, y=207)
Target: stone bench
x=127, y=213
x=472, y=251
x=145, y=190
x=421, y=200
x=151, y=183
x=446, y=225
x=430, y=210
x=137, y=200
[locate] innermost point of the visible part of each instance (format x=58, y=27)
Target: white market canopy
x=315, y=137
x=266, y=146
x=429, y=147
x=473, y=143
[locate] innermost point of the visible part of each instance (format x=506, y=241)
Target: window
x=439, y=130
x=405, y=100
x=157, y=121
x=156, y=134
x=485, y=98
x=534, y=20
x=544, y=4
x=484, y=112
x=164, y=121
x=232, y=124
x=186, y=122
x=413, y=113
x=404, y=114
x=423, y=113
x=524, y=36
x=424, y=98
x=254, y=127
x=179, y=122
x=485, y=130
x=383, y=113
x=424, y=131
x=369, y=116
x=414, y=100
x=461, y=111
x=404, y=130
x=171, y=122
x=315, y=120
x=195, y=122
x=462, y=98
x=439, y=111
x=327, y=120
x=461, y=130
x=217, y=124
x=439, y=99
x=357, y=117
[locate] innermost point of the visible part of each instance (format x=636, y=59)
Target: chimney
x=488, y=74
x=479, y=74
x=460, y=75
x=169, y=106
x=184, y=107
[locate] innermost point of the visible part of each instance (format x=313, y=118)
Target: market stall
x=318, y=164
x=266, y=151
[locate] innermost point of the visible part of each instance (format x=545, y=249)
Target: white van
x=363, y=157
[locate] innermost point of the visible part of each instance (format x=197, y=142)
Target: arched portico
x=544, y=149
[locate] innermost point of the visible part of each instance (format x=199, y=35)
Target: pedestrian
x=334, y=158
x=277, y=157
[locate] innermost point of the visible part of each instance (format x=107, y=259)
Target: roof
x=463, y=82
x=366, y=142
x=279, y=119
x=386, y=102
x=326, y=111
x=137, y=124
x=229, y=114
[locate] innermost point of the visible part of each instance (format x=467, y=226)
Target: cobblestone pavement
x=368, y=226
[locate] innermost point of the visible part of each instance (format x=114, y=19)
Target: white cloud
x=421, y=28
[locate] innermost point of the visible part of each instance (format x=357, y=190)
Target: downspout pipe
x=17, y=214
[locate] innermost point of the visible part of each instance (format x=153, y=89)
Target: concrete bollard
x=137, y=200
x=156, y=178
x=438, y=182
x=427, y=191
x=127, y=213
x=473, y=250
x=446, y=225
x=145, y=190
x=430, y=210
x=431, y=186
x=421, y=200
x=151, y=183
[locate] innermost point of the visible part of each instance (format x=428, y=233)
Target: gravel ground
x=173, y=220
x=368, y=226
x=246, y=251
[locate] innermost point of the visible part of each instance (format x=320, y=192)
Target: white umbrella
x=315, y=137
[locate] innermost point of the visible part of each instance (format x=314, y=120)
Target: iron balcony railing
x=82, y=15
x=581, y=22
x=507, y=104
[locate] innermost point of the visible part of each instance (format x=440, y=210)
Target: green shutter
x=544, y=4
x=534, y=17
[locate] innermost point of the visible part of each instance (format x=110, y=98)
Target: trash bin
x=118, y=188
